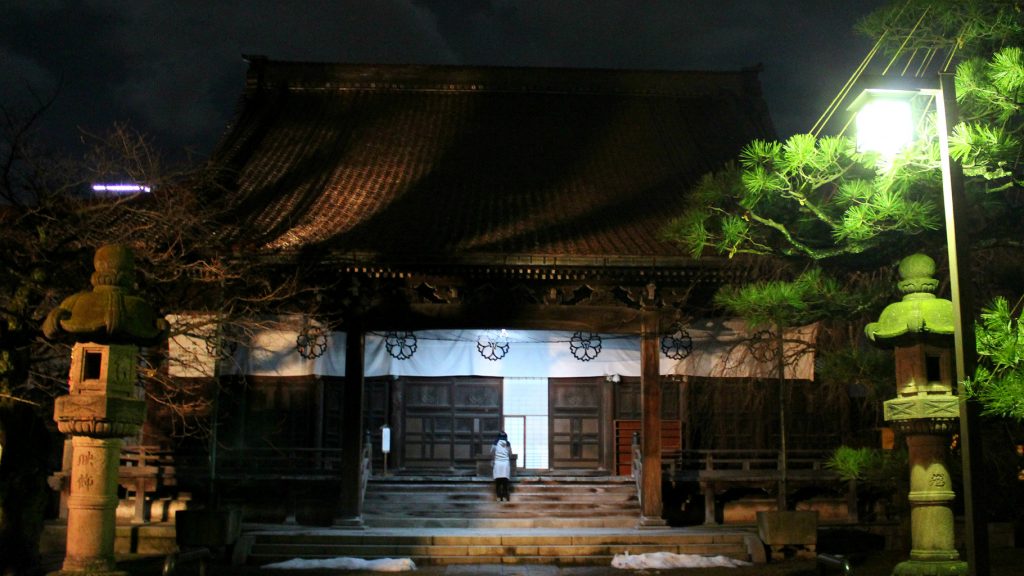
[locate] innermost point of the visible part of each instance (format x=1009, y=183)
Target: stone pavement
x=874, y=562
x=509, y=570
x=1005, y=562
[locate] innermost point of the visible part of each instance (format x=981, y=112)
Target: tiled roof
x=455, y=163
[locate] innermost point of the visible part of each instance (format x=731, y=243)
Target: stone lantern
x=107, y=324
x=925, y=411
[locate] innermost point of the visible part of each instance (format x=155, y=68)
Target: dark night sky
x=173, y=69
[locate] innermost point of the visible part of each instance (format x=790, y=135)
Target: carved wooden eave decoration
x=551, y=268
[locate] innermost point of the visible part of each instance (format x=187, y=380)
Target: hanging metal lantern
x=585, y=347
x=400, y=345
x=492, y=346
x=311, y=342
x=677, y=344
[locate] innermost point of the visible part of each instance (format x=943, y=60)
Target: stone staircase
x=536, y=502
x=565, y=547
x=563, y=520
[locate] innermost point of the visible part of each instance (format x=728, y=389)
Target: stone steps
x=604, y=521
x=536, y=501
x=566, y=547
x=563, y=520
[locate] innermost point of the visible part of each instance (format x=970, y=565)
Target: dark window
x=92, y=364
x=933, y=368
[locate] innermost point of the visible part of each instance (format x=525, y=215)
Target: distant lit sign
x=120, y=188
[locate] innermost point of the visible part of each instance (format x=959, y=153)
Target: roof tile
x=440, y=161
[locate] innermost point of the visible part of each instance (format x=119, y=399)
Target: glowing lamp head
x=887, y=109
x=885, y=125
x=121, y=188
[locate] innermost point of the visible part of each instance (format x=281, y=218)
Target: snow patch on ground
x=344, y=563
x=661, y=560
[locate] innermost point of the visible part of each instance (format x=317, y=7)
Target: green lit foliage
x=974, y=27
x=809, y=297
x=811, y=197
x=818, y=198
x=984, y=37
x=988, y=141
x=999, y=379
x=879, y=473
x=852, y=463
x=869, y=368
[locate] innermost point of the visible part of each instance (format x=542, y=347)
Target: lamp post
x=885, y=98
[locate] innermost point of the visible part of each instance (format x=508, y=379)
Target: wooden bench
x=717, y=470
x=146, y=470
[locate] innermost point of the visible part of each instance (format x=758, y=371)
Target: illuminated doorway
x=525, y=407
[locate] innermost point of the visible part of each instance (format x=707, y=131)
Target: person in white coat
x=501, y=450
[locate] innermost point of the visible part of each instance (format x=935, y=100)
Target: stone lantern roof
x=110, y=312
x=920, y=316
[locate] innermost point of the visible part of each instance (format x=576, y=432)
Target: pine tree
x=817, y=200
x=999, y=381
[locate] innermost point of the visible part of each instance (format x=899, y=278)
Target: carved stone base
x=651, y=522
x=349, y=523
x=930, y=568
x=89, y=567
x=89, y=573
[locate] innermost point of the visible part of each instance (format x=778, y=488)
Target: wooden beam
x=607, y=319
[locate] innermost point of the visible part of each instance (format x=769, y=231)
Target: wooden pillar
x=708, y=489
x=396, y=407
x=318, y=421
x=607, y=425
x=352, y=429
x=685, y=420
x=650, y=423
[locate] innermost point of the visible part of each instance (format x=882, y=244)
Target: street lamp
x=888, y=112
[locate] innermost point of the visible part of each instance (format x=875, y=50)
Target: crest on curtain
x=585, y=347
x=400, y=345
x=492, y=346
x=678, y=343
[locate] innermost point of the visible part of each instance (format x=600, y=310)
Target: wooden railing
x=716, y=470
x=367, y=468
x=146, y=470
x=281, y=463
x=637, y=468
x=747, y=465
x=306, y=481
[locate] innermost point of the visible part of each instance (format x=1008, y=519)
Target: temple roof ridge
x=265, y=73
